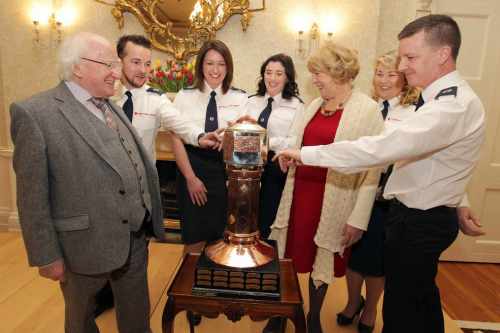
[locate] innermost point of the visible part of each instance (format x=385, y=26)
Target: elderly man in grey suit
x=87, y=192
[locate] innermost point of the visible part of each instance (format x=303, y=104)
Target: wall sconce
x=313, y=39
x=42, y=15
x=309, y=32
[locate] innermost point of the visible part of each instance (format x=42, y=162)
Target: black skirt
x=272, y=183
x=205, y=223
x=367, y=255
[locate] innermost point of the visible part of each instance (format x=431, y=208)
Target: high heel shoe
x=343, y=320
x=363, y=328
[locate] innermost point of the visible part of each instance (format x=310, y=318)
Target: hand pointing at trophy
x=288, y=158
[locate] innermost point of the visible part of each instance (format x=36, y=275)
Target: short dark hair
x=223, y=50
x=291, y=89
x=134, y=39
x=439, y=30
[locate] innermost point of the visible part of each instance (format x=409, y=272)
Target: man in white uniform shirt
x=434, y=152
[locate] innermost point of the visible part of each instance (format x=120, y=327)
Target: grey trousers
x=130, y=289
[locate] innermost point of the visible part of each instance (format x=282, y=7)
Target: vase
x=171, y=95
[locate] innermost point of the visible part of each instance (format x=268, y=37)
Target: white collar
x=135, y=91
x=276, y=99
x=208, y=90
x=450, y=79
x=393, y=102
x=80, y=93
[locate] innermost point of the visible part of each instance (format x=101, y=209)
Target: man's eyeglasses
x=111, y=64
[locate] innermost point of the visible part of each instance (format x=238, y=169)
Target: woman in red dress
x=323, y=212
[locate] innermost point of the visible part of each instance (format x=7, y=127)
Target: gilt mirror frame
x=211, y=16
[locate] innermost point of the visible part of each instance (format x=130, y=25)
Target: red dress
x=308, y=197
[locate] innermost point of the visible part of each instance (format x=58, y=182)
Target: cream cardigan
x=347, y=199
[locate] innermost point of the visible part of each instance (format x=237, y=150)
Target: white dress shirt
x=153, y=110
x=397, y=112
x=83, y=96
x=193, y=104
x=436, y=148
x=283, y=113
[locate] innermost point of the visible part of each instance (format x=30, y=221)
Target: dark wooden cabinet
x=167, y=170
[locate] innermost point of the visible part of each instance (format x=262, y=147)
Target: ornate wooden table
x=180, y=298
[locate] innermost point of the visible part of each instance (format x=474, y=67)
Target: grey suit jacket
x=68, y=187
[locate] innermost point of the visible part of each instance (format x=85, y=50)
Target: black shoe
x=193, y=318
x=362, y=328
x=275, y=325
x=343, y=320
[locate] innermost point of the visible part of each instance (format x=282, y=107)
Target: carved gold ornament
x=206, y=18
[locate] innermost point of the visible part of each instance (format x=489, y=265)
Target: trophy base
x=212, y=279
x=242, y=251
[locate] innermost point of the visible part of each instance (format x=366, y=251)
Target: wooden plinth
x=180, y=298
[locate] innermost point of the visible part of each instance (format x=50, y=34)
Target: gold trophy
x=241, y=264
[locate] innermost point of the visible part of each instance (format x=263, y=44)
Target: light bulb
x=66, y=15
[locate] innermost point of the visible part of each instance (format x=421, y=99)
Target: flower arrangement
x=171, y=76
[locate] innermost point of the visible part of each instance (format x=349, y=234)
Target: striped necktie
x=102, y=104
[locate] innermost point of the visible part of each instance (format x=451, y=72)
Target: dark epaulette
x=253, y=95
x=155, y=91
x=451, y=91
x=238, y=89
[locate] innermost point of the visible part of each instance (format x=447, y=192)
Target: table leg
x=299, y=320
x=168, y=316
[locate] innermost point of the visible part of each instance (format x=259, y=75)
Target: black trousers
x=414, y=241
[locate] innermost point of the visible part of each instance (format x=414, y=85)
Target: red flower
x=160, y=74
x=170, y=76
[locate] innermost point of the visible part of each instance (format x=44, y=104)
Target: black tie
x=211, y=123
x=420, y=102
x=385, y=110
x=384, y=177
x=266, y=113
x=128, y=106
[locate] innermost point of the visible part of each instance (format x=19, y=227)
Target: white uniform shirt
x=283, y=113
x=397, y=112
x=153, y=110
x=193, y=104
x=436, y=148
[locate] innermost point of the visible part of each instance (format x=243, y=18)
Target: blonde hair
x=390, y=60
x=340, y=62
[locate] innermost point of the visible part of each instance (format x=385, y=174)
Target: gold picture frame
x=210, y=16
